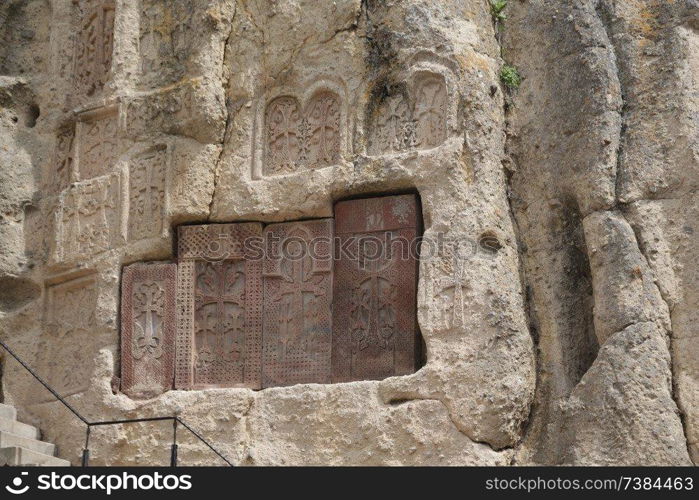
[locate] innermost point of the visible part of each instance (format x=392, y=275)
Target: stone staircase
x=20, y=445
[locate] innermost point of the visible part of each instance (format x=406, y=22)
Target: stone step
x=10, y=440
x=8, y=412
x=18, y=428
x=16, y=455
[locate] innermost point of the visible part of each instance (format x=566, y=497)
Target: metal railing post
x=173, y=451
x=86, y=450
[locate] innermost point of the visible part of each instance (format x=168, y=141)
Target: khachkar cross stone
x=93, y=48
x=219, y=300
x=298, y=139
x=68, y=347
x=375, y=332
x=147, y=194
x=148, y=313
x=413, y=119
x=219, y=322
x=298, y=301
x=87, y=219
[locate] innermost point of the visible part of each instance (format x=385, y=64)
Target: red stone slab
x=219, y=336
x=297, y=321
x=375, y=332
x=148, y=329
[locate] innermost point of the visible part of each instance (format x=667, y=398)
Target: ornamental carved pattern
x=298, y=301
x=147, y=194
x=219, y=296
x=412, y=118
x=374, y=313
x=298, y=139
x=148, y=329
x=97, y=143
x=88, y=219
x=62, y=173
x=219, y=323
x=67, y=347
x=94, y=46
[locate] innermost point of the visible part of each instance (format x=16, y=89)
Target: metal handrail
x=86, y=450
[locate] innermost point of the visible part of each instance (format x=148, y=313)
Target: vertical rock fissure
x=524, y=283
x=228, y=111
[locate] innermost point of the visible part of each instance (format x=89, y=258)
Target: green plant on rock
x=510, y=77
x=497, y=10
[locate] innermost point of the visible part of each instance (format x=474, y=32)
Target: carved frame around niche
x=303, y=98
x=423, y=65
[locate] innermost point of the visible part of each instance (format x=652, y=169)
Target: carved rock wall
x=569, y=331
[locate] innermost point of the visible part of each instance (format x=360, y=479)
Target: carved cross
x=298, y=281
x=374, y=312
x=148, y=303
x=374, y=297
x=458, y=282
x=219, y=279
x=284, y=128
x=325, y=127
x=148, y=189
x=394, y=123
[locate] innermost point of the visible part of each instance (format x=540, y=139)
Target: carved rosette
x=148, y=326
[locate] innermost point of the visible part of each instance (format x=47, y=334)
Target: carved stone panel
x=148, y=327
x=147, y=175
x=414, y=117
x=93, y=50
x=430, y=111
x=375, y=333
x=394, y=130
x=67, y=348
x=285, y=144
x=88, y=219
x=167, y=111
x=297, y=139
x=297, y=303
x=97, y=143
x=219, y=337
x=61, y=174
x=163, y=42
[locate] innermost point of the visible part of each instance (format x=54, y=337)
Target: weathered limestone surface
x=569, y=338
x=602, y=154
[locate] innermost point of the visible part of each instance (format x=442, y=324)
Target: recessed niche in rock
x=280, y=305
x=302, y=137
x=16, y=293
x=412, y=116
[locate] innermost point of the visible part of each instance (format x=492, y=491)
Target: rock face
x=558, y=279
